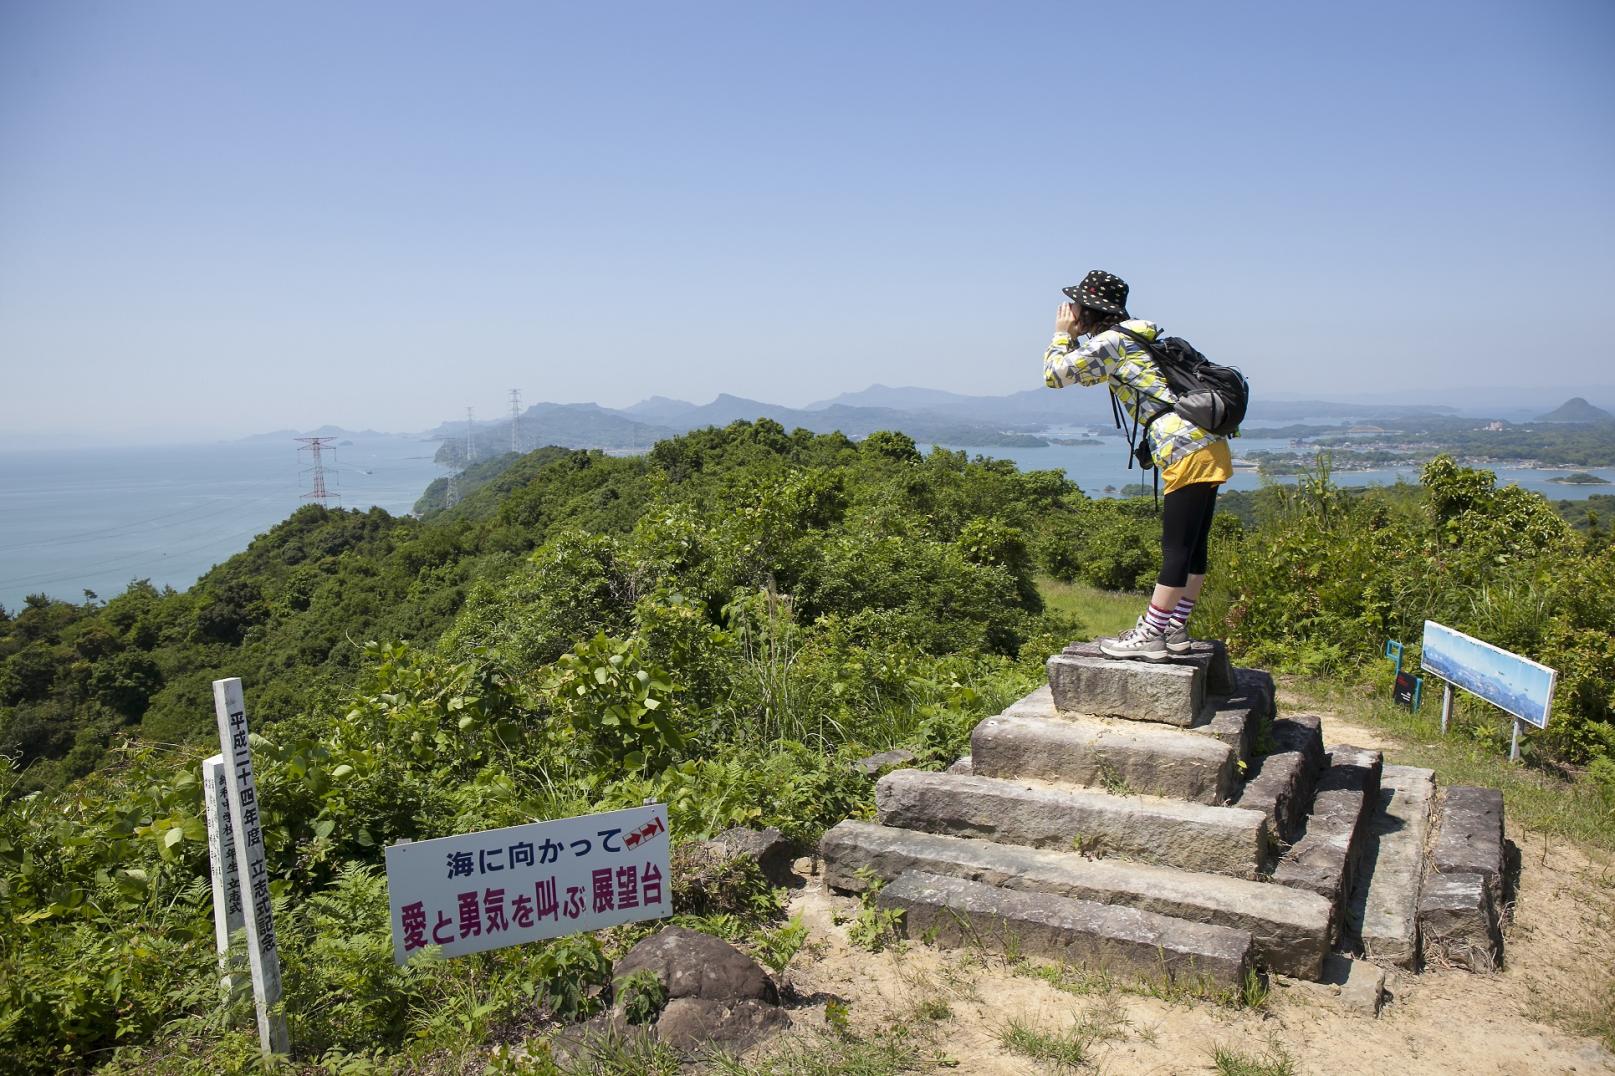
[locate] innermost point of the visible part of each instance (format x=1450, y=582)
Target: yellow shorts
x=1214, y=463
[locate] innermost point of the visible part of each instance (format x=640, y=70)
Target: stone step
x=1126, y=942
x=1469, y=836
x=1133, y=689
x=1281, y=783
x=1323, y=858
x=1193, y=836
x=1099, y=752
x=1383, y=912
x=1289, y=927
x=1210, y=656
x=1458, y=923
x=1255, y=688
x=1231, y=722
x=1461, y=908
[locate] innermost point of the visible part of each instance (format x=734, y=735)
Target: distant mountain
x=657, y=409
x=585, y=425
x=1577, y=409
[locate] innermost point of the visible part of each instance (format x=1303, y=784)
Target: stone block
x=1135, y=690
x=1255, y=688
x=1210, y=656
x=1362, y=984
x=1193, y=836
x=1290, y=928
x=954, y=912
x=1384, y=906
x=1469, y=837
x=963, y=765
x=1458, y=924
x=1281, y=783
x=1103, y=753
x=1233, y=724
x=1323, y=858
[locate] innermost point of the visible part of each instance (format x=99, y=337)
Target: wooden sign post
x=242, y=804
x=227, y=918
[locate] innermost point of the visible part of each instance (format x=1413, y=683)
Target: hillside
x=1577, y=409
x=724, y=624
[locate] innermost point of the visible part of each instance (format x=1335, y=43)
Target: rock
x=1141, y=945
x=1385, y=903
x=1135, y=690
x=1210, y=656
x=1290, y=928
x=885, y=760
x=1458, y=923
x=1469, y=837
x=1323, y=859
x=1362, y=985
x=1103, y=753
x=689, y=1024
x=767, y=847
x=965, y=765
x=1281, y=783
x=1193, y=836
x=695, y=965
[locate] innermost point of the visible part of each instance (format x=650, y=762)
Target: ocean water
x=97, y=518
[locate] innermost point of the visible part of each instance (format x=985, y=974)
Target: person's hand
x=1065, y=320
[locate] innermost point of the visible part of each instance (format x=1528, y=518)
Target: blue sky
x=217, y=218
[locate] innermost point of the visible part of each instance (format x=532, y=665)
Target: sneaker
x=1141, y=641
x=1177, y=639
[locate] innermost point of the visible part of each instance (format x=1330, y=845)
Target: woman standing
x=1091, y=346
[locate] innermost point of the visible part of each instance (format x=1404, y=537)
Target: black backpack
x=1210, y=396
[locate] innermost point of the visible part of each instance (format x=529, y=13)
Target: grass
x=1103, y=612
x=1069, y=1047
x=1275, y=1061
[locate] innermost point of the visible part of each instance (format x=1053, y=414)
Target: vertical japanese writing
x=253, y=868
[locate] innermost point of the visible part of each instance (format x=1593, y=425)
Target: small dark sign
x=1406, y=689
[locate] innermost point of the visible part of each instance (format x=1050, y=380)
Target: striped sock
x=1180, y=615
x=1158, y=618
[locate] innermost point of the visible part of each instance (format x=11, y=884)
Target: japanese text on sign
x=503, y=887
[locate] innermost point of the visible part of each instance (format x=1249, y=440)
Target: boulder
x=875, y=764
x=767, y=847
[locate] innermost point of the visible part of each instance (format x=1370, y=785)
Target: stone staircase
x=1160, y=821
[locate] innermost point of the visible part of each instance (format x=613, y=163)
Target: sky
x=227, y=218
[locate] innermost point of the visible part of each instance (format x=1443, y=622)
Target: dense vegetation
x=1551, y=444
x=722, y=624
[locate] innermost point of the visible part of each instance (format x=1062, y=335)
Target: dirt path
x=957, y=1004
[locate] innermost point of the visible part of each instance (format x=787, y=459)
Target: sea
x=77, y=519
x=95, y=519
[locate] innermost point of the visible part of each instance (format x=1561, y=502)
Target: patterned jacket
x=1138, y=383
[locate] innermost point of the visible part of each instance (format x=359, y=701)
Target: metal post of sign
x=1446, y=706
x=222, y=859
x=262, y=950
x=1514, y=743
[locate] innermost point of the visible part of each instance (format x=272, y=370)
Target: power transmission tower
x=515, y=418
x=470, y=447
x=314, y=446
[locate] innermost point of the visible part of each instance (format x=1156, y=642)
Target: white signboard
x=503, y=887
x=227, y=917
x=231, y=711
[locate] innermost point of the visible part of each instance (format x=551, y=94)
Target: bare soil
x=1559, y=954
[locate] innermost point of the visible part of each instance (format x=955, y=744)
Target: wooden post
x=221, y=850
x=1446, y=706
x=231, y=711
x=1514, y=743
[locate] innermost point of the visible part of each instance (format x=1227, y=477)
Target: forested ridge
x=722, y=624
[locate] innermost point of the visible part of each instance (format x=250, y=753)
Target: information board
x=500, y=887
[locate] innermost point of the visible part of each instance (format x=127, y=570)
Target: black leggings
x=1185, y=532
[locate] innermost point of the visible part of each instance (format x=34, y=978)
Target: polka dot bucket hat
x=1102, y=291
